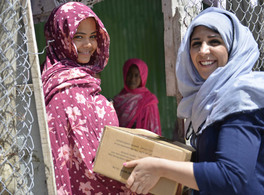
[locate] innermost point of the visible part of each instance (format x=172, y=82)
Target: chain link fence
x=42, y=8
x=16, y=143
x=249, y=12
x=89, y=3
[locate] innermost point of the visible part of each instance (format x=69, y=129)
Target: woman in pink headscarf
x=135, y=105
x=78, y=49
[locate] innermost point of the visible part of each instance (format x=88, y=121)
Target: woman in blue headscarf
x=223, y=104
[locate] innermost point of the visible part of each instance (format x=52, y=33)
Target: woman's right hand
x=144, y=176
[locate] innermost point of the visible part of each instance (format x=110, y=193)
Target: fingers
x=135, y=187
x=138, y=188
x=130, y=164
x=145, y=191
x=141, y=190
x=136, y=182
x=130, y=181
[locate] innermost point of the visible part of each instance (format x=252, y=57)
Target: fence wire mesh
x=16, y=143
x=89, y=3
x=249, y=12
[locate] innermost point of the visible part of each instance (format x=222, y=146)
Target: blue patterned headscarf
x=229, y=89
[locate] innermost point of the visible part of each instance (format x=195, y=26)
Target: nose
x=204, y=49
x=87, y=43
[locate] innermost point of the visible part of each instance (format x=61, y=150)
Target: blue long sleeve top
x=230, y=156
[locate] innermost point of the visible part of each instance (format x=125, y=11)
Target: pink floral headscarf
x=137, y=108
x=59, y=32
x=76, y=112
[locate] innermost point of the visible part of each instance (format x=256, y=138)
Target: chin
x=83, y=61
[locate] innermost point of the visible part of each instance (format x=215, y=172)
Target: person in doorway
x=78, y=50
x=223, y=107
x=135, y=105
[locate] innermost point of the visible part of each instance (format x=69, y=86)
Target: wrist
x=160, y=167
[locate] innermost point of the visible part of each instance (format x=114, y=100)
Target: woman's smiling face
x=133, y=78
x=208, y=51
x=85, y=40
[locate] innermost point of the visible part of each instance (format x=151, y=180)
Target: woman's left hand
x=144, y=176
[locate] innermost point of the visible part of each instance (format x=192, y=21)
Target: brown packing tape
x=142, y=146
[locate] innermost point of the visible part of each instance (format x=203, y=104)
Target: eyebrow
x=210, y=36
x=82, y=33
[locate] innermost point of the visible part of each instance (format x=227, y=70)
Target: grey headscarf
x=229, y=89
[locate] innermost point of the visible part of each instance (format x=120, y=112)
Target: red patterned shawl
x=138, y=107
x=76, y=112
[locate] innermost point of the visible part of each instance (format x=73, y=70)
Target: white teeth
x=206, y=63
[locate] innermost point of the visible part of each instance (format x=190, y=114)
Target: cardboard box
x=119, y=145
